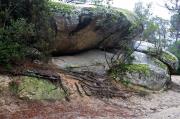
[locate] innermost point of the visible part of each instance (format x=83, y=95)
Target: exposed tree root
x=99, y=86
x=89, y=83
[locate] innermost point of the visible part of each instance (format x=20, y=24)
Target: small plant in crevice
x=13, y=86
x=126, y=82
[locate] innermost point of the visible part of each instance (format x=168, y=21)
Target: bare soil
x=161, y=105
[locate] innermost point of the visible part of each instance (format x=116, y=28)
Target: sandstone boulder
x=83, y=28
x=163, y=55
x=145, y=71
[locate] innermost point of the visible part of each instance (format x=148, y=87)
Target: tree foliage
x=24, y=25
x=156, y=29
x=175, y=49
x=175, y=26
x=144, y=13
x=162, y=32
x=174, y=7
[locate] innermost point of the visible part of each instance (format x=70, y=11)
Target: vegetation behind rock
x=175, y=49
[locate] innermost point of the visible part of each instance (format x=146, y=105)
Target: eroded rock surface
x=146, y=71
x=79, y=28
x=93, y=61
x=163, y=55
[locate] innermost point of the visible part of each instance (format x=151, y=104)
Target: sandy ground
x=166, y=105
x=161, y=105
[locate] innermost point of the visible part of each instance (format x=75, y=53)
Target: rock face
x=84, y=28
x=165, y=56
x=79, y=29
x=146, y=71
x=149, y=67
x=93, y=61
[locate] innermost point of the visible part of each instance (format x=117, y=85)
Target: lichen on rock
x=36, y=89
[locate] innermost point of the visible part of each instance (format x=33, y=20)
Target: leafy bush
x=24, y=25
x=14, y=40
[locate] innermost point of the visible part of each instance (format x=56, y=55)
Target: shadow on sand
x=175, y=87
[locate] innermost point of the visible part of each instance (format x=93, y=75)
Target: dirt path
x=162, y=105
x=166, y=105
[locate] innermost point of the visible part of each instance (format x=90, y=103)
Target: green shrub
x=14, y=40
x=24, y=25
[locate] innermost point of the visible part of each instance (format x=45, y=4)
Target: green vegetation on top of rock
x=56, y=6
x=116, y=13
x=130, y=16
x=113, y=13
x=119, y=16
x=36, y=89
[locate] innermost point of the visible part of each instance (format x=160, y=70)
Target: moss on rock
x=36, y=89
x=142, y=75
x=130, y=16
x=159, y=63
x=139, y=68
x=166, y=56
x=131, y=68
